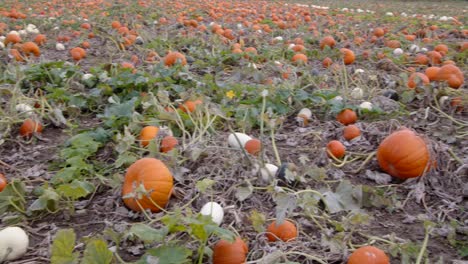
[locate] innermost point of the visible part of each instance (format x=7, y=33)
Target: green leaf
x=96, y=252
x=12, y=196
x=76, y=189
x=167, y=254
x=148, y=234
x=62, y=248
x=48, y=200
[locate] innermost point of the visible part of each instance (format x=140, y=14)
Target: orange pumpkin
x=29, y=127
x=327, y=62
x=31, y=48
x=286, y=231
x=415, y=78
x=78, y=53
x=452, y=74
x=147, y=134
x=12, y=38
x=225, y=252
x=299, y=58
x=327, y=41
x=378, y=32
x=368, y=255
x=253, y=146
x=3, y=182
x=40, y=39
x=348, y=56
x=156, y=179
x=189, y=106
x=346, y=117
x=351, y=131
x=336, y=148
x=168, y=143
x=403, y=154
x=432, y=73
x=174, y=57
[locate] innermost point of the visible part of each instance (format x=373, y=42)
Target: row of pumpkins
x=403, y=154
x=148, y=184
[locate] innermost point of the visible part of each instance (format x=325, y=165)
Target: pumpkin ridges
x=156, y=179
x=403, y=154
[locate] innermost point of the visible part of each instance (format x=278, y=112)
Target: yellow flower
x=230, y=94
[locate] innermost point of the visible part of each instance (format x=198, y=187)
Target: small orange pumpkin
x=147, y=134
x=173, y=58
x=336, y=148
x=3, y=182
x=403, y=154
x=327, y=41
x=348, y=56
x=286, y=231
x=156, y=179
x=12, y=38
x=29, y=127
x=31, y=48
x=415, y=78
x=225, y=252
x=351, y=131
x=253, y=146
x=346, y=117
x=189, y=106
x=299, y=58
x=368, y=255
x=78, y=53
x=168, y=143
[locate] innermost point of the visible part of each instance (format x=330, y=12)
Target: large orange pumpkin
x=156, y=179
x=403, y=154
x=368, y=255
x=225, y=252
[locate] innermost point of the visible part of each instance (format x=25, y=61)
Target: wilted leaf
x=346, y=197
x=97, y=252
x=62, y=247
x=148, y=234
x=243, y=192
x=204, y=184
x=378, y=177
x=285, y=204
x=258, y=221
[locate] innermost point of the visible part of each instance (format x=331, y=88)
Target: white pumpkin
x=243, y=138
x=214, y=210
x=13, y=243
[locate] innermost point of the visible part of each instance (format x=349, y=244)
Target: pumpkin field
x=230, y=132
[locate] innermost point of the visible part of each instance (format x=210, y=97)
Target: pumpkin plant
x=157, y=181
x=403, y=154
